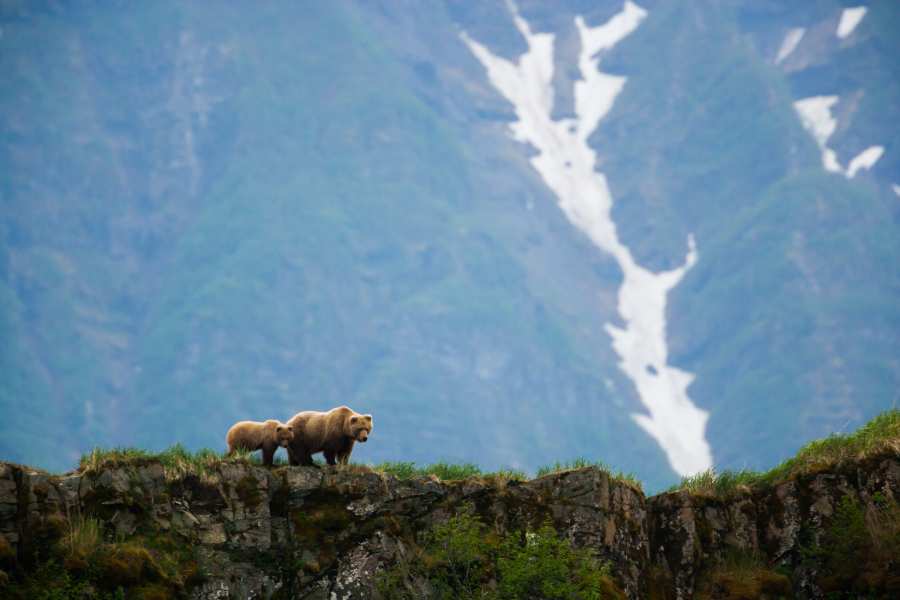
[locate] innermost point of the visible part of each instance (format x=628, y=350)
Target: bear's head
x=284, y=435
x=360, y=426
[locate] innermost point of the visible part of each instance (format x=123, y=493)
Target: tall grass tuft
x=710, y=483
x=81, y=538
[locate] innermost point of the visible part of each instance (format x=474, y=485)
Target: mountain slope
x=210, y=214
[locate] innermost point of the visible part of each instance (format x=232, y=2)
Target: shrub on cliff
x=463, y=558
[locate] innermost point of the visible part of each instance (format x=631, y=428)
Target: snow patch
x=850, y=18
x=896, y=189
x=567, y=164
x=790, y=43
x=864, y=160
x=815, y=115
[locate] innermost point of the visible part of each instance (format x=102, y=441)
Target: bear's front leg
x=329, y=457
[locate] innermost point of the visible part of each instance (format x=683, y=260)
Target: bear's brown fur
x=333, y=433
x=253, y=435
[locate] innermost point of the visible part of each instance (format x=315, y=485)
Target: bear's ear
x=291, y=428
x=368, y=418
x=352, y=420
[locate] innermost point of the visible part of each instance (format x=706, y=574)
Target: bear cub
x=253, y=435
x=333, y=433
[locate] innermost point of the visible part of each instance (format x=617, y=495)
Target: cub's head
x=284, y=435
x=360, y=427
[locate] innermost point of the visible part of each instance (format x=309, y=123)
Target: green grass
x=878, y=436
x=710, y=483
x=442, y=470
x=581, y=463
x=176, y=460
x=445, y=471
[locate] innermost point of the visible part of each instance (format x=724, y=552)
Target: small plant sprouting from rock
x=463, y=558
x=82, y=537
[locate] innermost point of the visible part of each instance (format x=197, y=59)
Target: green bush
x=545, y=566
x=463, y=558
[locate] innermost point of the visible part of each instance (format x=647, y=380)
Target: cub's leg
x=268, y=453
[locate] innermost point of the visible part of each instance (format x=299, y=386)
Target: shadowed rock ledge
x=244, y=531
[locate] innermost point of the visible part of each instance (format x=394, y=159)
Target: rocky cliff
x=235, y=529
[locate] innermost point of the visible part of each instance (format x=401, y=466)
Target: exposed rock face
x=689, y=533
x=326, y=533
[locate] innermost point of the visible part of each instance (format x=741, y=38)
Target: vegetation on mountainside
x=879, y=436
x=463, y=558
x=311, y=233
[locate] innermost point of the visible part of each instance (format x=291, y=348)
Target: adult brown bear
x=333, y=433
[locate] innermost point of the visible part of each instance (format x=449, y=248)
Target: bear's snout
x=362, y=436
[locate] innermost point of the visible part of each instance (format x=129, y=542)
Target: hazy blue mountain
x=210, y=213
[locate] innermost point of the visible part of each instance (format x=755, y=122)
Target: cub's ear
x=352, y=420
x=367, y=417
x=291, y=428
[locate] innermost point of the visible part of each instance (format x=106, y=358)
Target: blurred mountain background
x=211, y=213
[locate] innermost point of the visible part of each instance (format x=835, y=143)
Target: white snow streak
x=815, y=114
x=566, y=163
x=864, y=160
x=850, y=18
x=790, y=43
x=896, y=189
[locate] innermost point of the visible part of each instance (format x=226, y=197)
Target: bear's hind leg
x=298, y=457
